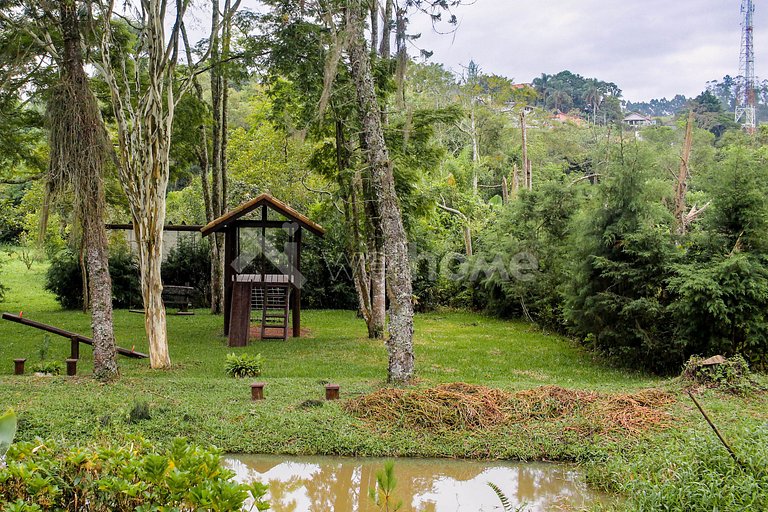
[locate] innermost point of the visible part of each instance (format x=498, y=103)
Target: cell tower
x=745, y=99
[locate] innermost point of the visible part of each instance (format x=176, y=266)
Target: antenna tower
x=745, y=99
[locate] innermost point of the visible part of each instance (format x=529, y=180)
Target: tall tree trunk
x=144, y=105
x=386, y=32
x=204, y=162
x=527, y=169
x=367, y=263
x=398, y=272
x=78, y=151
x=475, y=147
x=681, y=187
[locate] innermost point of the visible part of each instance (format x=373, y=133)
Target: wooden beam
x=72, y=336
x=230, y=242
x=296, y=310
x=167, y=227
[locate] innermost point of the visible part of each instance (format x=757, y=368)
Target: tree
x=78, y=150
x=721, y=290
x=140, y=77
x=617, y=299
x=399, y=287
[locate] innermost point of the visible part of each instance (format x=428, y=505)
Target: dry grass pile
x=455, y=406
x=460, y=406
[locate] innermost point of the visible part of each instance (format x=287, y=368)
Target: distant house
x=634, y=119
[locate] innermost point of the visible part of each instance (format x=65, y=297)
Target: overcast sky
x=649, y=48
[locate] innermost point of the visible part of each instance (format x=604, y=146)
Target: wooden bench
x=179, y=297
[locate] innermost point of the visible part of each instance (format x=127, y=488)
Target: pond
x=322, y=484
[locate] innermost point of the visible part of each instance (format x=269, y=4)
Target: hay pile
x=460, y=406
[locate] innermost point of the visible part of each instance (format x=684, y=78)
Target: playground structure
x=259, y=276
x=75, y=339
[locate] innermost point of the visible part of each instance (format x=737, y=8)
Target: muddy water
x=324, y=484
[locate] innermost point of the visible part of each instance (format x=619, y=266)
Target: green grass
x=195, y=399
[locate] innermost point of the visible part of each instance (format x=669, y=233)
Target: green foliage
x=136, y=476
x=721, y=289
x=8, y=425
x=697, y=475
x=189, y=264
x=733, y=375
x=530, y=239
x=64, y=279
x=506, y=505
x=325, y=267
x=383, y=493
x=46, y=367
x=139, y=412
x=244, y=365
x=622, y=251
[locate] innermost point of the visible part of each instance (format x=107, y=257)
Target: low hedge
x=134, y=476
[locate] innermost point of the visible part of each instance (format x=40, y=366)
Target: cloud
x=649, y=48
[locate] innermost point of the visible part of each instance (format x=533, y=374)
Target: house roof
x=634, y=116
x=262, y=199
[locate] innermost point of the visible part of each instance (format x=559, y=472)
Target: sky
x=649, y=48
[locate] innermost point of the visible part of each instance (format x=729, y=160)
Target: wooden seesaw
x=75, y=339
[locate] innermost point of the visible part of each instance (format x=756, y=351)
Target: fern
x=505, y=503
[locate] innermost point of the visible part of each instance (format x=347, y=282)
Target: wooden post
x=74, y=347
x=296, y=321
x=331, y=391
x=527, y=170
x=257, y=391
x=504, y=191
x=18, y=366
x=230, y=236
x=71, y=367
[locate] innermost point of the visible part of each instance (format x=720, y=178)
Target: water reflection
x=322, y=484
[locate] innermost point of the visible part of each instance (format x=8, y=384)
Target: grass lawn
x=196, y=400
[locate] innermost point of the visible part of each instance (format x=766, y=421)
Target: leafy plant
x=506, y=505
x=139, y=412
x=731, y=375
x=135, y=476
x=383, y=494
x=7, y=432
x=47, y=367
x=244, y=365
x=44, y=348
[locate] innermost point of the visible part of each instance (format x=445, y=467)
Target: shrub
x=244, y=365
x=46, y=367
x=732, y=375
x=136, y=476
x=139, y=412
x=64, y=279
x=189, y=264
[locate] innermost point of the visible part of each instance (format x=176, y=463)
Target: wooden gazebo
x=262, y=267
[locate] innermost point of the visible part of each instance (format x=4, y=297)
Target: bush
x=137, y=476
x=189, y=264
x=65, y=280
x=732, y=374
x=244, y=365
x=46, y=367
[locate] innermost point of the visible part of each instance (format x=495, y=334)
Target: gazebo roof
x=261, y=200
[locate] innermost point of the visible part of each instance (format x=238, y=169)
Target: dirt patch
x=460, y=406
x=255, y=332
